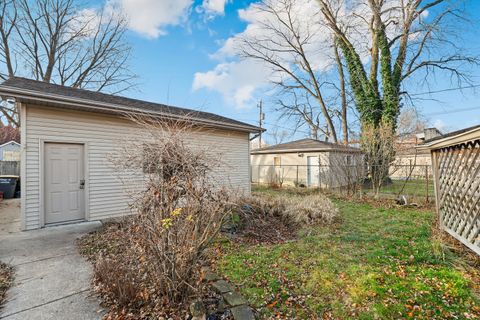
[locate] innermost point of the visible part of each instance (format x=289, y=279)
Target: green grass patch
x=375, y=264
x=414, y=187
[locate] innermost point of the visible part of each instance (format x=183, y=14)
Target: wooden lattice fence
x=458, y=191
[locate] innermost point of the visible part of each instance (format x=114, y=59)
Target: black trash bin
x=8, y=184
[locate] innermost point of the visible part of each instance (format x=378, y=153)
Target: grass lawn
x=417, y=188
x=374, y=263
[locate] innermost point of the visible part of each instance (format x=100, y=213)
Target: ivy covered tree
x=384, y=43
x=403, y=38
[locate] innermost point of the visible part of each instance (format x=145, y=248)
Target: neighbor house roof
x=452, y=138
x=10, y=142
x=32, y=91
x=304, y=145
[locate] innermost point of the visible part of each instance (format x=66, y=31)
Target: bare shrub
x=378, y=145
x=6, y=280
x=311, y=209
x=119, y=282
x=347, y=170
x=179, y=210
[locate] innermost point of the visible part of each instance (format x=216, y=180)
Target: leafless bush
x=276, y=176
x=311, y=209
x=347, y=171
x=378, y=145
x=119, y=282
x=179, y=210
x=6, y=280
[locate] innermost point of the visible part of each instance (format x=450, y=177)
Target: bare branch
x=58, y=42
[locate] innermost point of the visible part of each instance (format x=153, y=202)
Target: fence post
x=296, y=184
x=426, y=175
x=319, y=181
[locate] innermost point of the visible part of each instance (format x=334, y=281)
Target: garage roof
x=452, y=138
x=304, y=145
x=32, y=91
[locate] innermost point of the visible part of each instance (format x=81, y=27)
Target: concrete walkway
x=52, y=281
x=9, y=216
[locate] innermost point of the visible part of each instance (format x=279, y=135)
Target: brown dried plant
x=179, y=206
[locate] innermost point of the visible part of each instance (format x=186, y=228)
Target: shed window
x=349, y=160
x=277, y=162
x=11, y=155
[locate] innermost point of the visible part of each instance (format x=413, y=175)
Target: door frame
x=86, y=173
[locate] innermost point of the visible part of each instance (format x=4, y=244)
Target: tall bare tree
x=56, y=41
x=343, y=92
x=399, y=41
x=277, y=136
x=287, y=44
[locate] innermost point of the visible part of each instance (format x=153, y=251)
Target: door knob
x=82, y=184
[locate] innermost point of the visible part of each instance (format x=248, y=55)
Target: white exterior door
x=64, y=182
x=313, y=171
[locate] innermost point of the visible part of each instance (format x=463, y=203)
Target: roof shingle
x=305, y=145
x=33, y=87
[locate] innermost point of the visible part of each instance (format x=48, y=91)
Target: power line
x=446, y=90
x=413, y=94
x=452, y=111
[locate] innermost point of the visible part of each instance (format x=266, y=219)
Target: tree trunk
x=343, y=94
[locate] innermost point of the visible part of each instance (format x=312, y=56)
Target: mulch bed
x=260, y=222
x=6, y=280
x=110, y=244
x=267, y=229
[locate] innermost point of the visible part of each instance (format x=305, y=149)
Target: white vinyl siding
x=101, y=134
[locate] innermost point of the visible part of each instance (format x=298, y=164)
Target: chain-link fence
x=411, y=182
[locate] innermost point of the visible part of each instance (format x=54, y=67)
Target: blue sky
x=166, y=64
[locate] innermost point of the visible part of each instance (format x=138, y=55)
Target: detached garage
x=67, y=135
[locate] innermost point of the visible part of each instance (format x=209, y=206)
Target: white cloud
x=216, y=7
x=150, y=17
x=441, y=125
x=236, y=81
x=229, y=77
x=84, y=24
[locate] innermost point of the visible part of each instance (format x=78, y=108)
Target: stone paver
x=242, y=312
x=211, y=276
x=234, y=299
x=52, y=281
x=222, y=286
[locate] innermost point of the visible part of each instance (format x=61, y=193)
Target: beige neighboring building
x=411, y=161
x=69, y=134
x=307, y=162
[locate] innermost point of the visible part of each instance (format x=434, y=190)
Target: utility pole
x=261, y=117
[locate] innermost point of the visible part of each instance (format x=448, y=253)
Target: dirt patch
x=6, y=280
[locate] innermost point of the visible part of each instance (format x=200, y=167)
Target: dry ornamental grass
x=275, y=219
